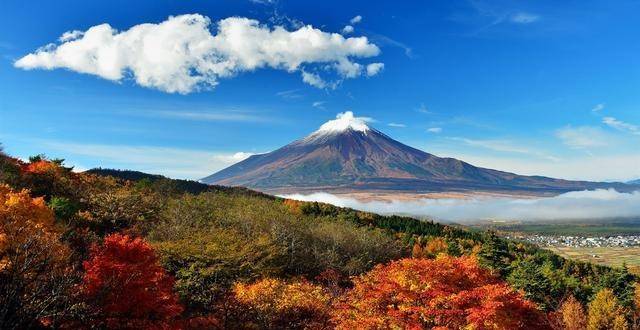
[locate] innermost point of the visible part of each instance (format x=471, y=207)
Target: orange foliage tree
x=293, y=205
x=47, y=178
x=277, y=304
x=126, y=287
x=35, y=272
x=441, y=293
x=40, y=167
x=431, y=249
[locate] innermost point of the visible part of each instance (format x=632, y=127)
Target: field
x=611, y=256
x=607, y=227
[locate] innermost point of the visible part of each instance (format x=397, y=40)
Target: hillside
x=151, y=252
x=346, y=155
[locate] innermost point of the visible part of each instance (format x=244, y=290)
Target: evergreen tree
x=527, y=276
x=494, y=253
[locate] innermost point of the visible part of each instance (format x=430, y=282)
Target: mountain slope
x=346, y=154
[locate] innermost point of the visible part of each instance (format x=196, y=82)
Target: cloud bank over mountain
x=181, y=55
x=576, y=205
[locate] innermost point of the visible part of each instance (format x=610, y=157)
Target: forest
x=110, y=249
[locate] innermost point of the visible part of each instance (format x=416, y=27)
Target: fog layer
x=578, y=205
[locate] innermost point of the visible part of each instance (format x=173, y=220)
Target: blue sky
x=534, y=87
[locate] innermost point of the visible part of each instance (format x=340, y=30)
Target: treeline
x=124, y=249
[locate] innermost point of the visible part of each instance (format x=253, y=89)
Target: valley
x=610, y=242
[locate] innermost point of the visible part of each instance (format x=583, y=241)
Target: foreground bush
x=446, y=293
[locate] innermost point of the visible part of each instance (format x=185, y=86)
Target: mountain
x=634, y=182
x=346, y=154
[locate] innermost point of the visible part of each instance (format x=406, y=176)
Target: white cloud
x=70, y=35
x=397, y=125
x=387, y=41
x=598, y=107
x=573, y=205
x=181, y=55
x=314, y=80
x=621, y=126
x=229, y=115
x=172, y=162
x=374, y=68
x=264, y=2
x=318, y=104
x=524, y=18
x=583, y=137
x=356, y=20
x=434, y=130
x=347, y=29
x=349, y=69
x=290, y=94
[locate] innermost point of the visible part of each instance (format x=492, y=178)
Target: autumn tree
x=10, y=169
x=47, y=178
x=571, y=315
x=445, y=292
x=125, y=286
x=119, y=207
x=277, y=304
x=605, y=313
x=636, y=306
x=34, y=265
x=431, y=249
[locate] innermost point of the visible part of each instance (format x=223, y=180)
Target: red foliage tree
x=126, y=287
x=441, y=293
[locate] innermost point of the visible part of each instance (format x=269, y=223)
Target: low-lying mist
x=578, y=205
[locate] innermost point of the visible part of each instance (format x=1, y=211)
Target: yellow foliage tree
x=34, y=272
x=605, y=313
x=277, y=304
x=572, y=315
x=20, y=218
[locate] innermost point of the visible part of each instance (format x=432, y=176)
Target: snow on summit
x=345, y=121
